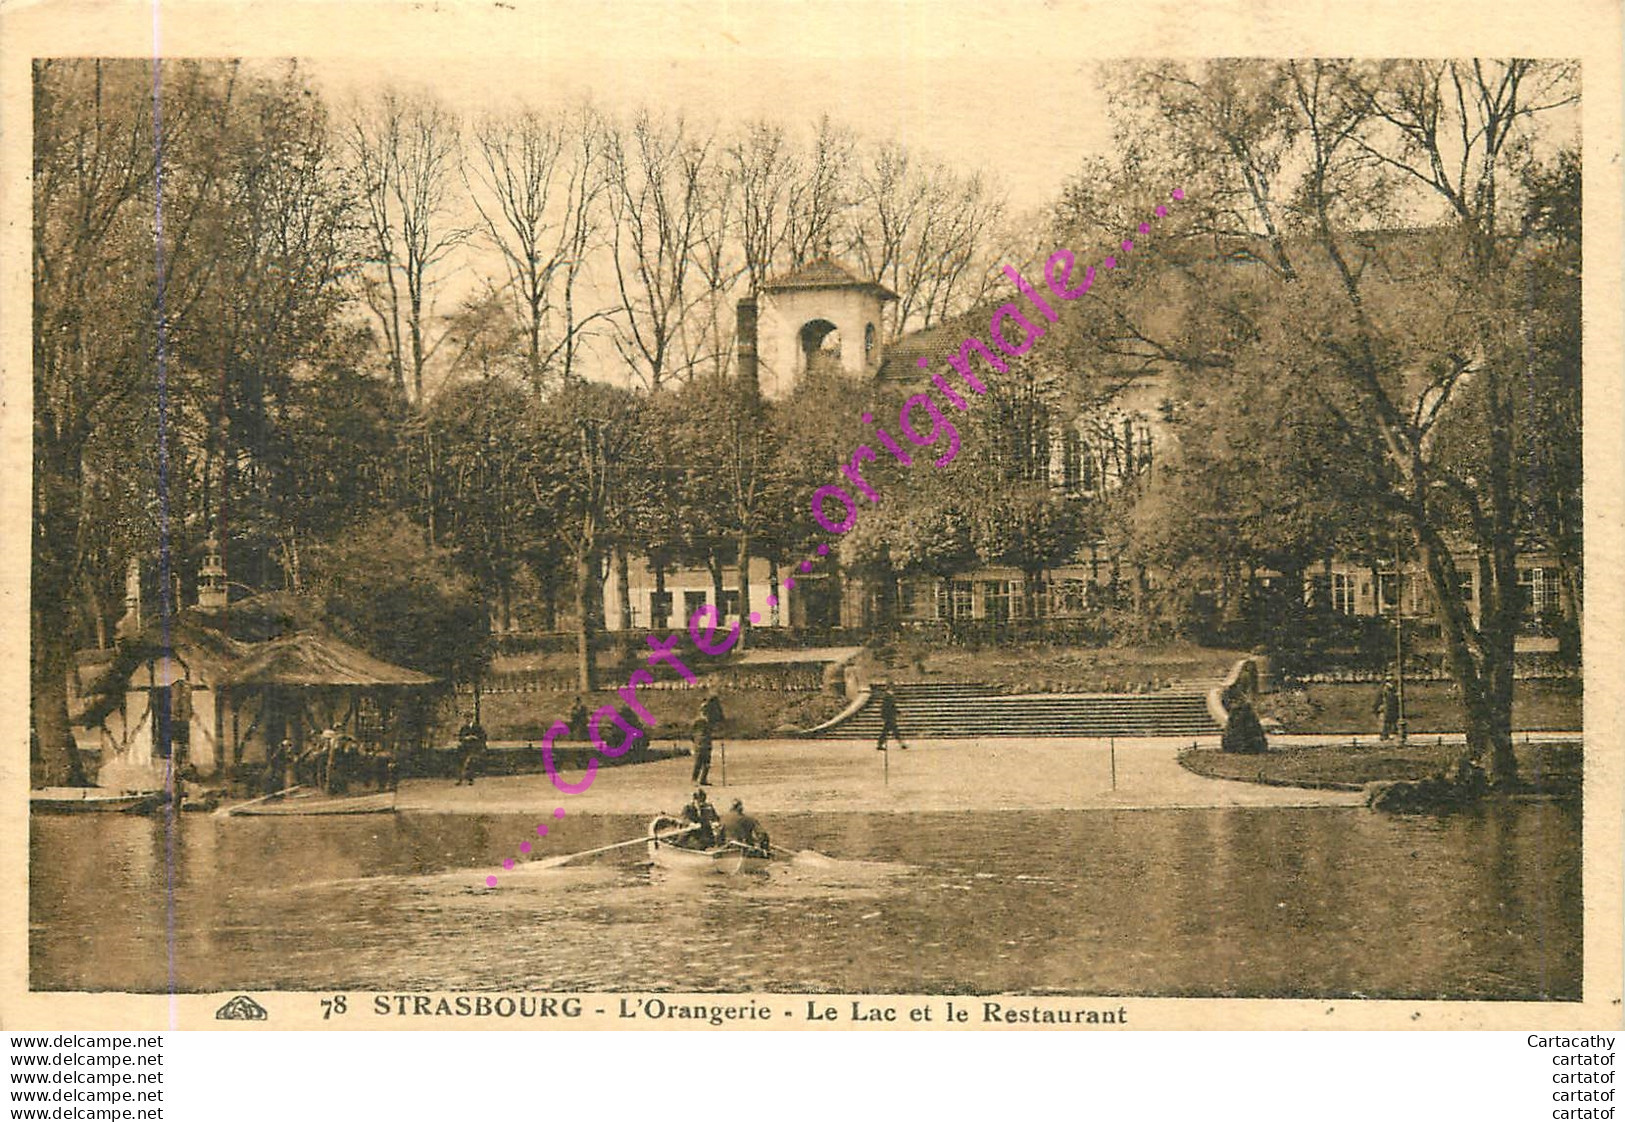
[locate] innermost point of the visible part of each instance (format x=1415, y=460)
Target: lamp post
x=1399, y=637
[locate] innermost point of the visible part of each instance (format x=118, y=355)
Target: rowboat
x=92, y=800
x=730, y=858
x=300, y=801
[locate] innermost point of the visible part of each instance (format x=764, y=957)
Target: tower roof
x=825, y=272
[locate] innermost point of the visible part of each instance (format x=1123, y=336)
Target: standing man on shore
x=471, y=744
x=1387, y=708
x=702, y=750
x=888, y=718
x=712, y=708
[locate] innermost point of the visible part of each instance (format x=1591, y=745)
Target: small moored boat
x=92, y=800
x=300, y=801
x=729, y=858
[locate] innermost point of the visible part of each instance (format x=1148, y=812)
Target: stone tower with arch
x=821, y=312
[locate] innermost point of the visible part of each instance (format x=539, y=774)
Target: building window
x=692, y=602
x=1343, y=593
x=1068, y=598
x=1387, y=592
x=964, y=600
x=660, y=609
x=869, y=341
x=1072, y=453
x=1540, y=592
x=918, y=599
x=730, y=603
x=996, y=600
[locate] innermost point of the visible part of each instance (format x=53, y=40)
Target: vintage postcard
x=820, y=515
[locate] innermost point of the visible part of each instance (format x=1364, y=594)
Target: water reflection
x=1243, y=902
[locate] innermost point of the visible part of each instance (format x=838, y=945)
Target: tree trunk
x=54, y=759
x=586, y=577
x=713, y=562
x=1480, y=664
x=742, y=562
x=550, y=599
x=773, y=588
x=659, y=617
x=623, y=587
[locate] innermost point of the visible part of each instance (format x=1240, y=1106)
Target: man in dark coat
x=712, y=708
x=702, y=751
x=578, y=720
x=1387, y=708
x=471, y=744
x=701, y=813
x=888, y=720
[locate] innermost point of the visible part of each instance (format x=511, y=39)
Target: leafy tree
x=582, y=439
x=403, y=599
x=484, y=516
x=1286, y=262
x=158, y=345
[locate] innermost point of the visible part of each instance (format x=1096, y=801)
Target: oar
x=771, y=852
x=555, y=862
x=228, y=810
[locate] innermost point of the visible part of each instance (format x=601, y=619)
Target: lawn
x=1430, y=707
x=1553, y=766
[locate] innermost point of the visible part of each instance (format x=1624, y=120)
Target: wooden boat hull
x=92, y=800
x=313, y=804
x=726, y=859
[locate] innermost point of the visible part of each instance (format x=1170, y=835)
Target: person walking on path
x=702, y=751
x=578, y=720
x=888, y=720
x=1386, y=708
x=471, y=743
x=712, y=708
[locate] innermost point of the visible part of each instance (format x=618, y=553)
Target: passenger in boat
x=701, y=813
x=737, y=826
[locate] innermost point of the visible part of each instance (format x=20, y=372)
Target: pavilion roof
x=310, y=658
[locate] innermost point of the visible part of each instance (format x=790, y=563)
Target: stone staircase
x=930, y=710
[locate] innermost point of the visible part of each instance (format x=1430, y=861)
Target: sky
x=1032, y=146
x=991, y=126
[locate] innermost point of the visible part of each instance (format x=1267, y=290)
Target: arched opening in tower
x=820, y=343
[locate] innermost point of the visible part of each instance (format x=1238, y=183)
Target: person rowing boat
x=739, y=828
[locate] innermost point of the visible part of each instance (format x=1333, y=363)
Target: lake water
x=1235, y=902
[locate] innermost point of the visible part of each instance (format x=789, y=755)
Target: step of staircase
x=939, y=710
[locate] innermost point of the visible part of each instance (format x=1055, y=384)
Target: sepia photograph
x=679, y=538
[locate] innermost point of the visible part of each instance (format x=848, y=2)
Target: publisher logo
x=241, y=1008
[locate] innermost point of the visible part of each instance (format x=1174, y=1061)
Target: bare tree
x=762, y=168
x=663, y=184
x=406, y=153
x=538, y=184
x=924, y=232
x=820, y=194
